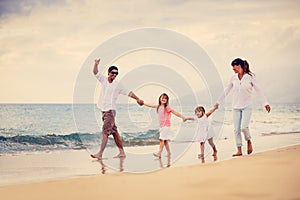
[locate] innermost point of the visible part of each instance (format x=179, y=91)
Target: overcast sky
x=43, y=43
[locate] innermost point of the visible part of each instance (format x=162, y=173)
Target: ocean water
x=51, y=127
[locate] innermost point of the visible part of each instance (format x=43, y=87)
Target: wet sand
x=265, y=175
x=45, y=166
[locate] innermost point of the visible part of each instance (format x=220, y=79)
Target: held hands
x=216, y=106
x=140, y=102
x=187, y=118
x=268, y=108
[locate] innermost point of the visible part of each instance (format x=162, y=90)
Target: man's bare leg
x=102, y=147
x=119, y=144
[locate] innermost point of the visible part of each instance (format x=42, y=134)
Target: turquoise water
x=47, y=127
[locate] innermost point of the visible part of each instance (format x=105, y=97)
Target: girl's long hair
x=159, y=103
x=244, y=64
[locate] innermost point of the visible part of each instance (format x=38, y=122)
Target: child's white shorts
x=164, y=133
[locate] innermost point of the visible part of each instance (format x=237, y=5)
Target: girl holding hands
x=164, y=111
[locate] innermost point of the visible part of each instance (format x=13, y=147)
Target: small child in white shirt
x=202, y=133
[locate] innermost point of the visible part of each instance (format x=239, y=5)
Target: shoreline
x=263, y=175
x=61, y=165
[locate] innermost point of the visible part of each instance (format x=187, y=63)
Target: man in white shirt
x=111, y=89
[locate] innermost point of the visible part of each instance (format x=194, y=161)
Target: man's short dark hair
x=112, y=68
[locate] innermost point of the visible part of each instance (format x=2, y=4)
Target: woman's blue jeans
x=241, y=120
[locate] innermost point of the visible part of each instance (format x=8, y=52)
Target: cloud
x=47, y=39
x=20, y=7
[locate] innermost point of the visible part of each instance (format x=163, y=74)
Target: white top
x=202, y=124
x=109, y=93
x=202, y=133
x=242, y=91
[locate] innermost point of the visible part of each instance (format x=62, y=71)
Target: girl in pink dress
x=164, y=111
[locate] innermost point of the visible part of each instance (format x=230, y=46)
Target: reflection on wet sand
x=104, y=167
x=202, y=158
x=118, y=164
x=161, y=162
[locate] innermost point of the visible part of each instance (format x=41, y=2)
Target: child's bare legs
x=213, y=146
x=161, y=146
x=201, y=155
x=166, y=142
x=169, y=161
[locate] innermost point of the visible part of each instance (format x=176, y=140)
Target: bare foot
x=249, y=147
x=215, y=157
x=98, y=156
x=120, y=155
x=157, y=155
x=202, y=160
x=200, y=156
x=237, y=154
x=215, y=153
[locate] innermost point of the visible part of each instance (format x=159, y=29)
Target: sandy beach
x=236, y=59
x=272, y=174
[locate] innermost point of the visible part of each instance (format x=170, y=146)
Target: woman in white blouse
x=242, y=84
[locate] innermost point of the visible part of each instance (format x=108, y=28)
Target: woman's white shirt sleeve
x=242, y=91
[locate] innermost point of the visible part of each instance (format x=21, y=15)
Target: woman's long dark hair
x=159, y=103
x=244, y=64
